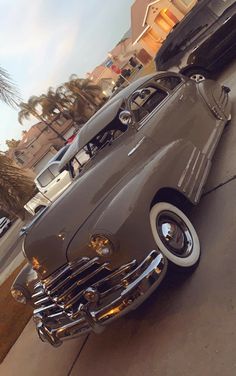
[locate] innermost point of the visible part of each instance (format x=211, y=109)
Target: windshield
x=104, y=138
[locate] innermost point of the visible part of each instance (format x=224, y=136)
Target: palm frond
x=8, y=92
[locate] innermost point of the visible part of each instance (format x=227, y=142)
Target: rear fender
x=216, y=97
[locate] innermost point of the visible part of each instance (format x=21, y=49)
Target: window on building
x=166, y=20
x=61, y=121
x=152, y=39
x=187, y=3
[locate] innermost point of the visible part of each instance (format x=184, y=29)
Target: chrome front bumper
x=134, y=288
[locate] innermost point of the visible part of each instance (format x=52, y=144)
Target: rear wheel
x=175, y=235
x=197, y=74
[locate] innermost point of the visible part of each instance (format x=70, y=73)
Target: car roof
x=103, y=117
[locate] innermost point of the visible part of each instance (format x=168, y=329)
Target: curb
x=10, y=268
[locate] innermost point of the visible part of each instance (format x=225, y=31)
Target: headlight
x=18, y=296
x=101, y=244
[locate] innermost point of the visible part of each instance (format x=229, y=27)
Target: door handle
x=226, y=20
x=58, y=180
x=195, y=48
x=181, y=98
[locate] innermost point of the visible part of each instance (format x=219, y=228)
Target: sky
x=44, y=41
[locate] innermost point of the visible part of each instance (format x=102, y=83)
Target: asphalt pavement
x=10, y=250
x=188, y=326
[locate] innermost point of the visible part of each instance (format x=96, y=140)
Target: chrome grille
x=63, y=292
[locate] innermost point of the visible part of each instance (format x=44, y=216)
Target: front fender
x=124, y=215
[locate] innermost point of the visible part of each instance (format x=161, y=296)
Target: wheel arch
x=190, y=68
x=38, y=208
x=173, y=196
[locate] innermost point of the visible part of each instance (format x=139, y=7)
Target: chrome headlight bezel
x=18, y=295
x=101, y=244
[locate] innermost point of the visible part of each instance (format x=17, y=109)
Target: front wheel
x=175, y=235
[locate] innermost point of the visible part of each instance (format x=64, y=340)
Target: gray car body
x=169, y=152
x=114, y=195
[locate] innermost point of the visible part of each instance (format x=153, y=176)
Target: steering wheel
x=104, y=137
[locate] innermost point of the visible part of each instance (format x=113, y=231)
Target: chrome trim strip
x=204, y=177
x=182, y=177
x=197, y=174
x=188, y=181
x=136, y=147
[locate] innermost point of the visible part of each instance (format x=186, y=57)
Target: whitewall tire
x=175, y=235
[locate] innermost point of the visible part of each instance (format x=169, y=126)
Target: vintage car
x=50, y=184
x=103, y=247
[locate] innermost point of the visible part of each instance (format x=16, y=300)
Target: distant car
x=5, y=224
x=102, y=248
x=202, y=42
x=50, y=183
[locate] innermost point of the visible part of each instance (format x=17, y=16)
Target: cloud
x=44, y=41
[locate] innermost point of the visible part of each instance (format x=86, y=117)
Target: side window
x=45, y=178
x=144, y=101
x=54, y=169
x=219, y=6
x=169, y=82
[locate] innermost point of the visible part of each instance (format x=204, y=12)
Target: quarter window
x=145, y=100
x=219, y=6
x=169, y=82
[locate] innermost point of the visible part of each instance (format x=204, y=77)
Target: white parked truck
x=50, y=183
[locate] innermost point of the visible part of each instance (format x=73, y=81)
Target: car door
x=169, y=113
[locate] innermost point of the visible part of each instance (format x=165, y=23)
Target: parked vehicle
x=202, y=42
x=102, y=248
x=50, y=183
x=5, y=224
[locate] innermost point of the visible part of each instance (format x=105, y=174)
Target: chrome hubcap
x=174, y=234
x=197, y=77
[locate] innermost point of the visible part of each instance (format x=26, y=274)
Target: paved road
x=10, y=245
x=188, y=326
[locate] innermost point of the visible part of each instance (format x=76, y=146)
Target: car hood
x=47, y=240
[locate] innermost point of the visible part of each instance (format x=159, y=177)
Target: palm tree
x=85, y=89
x=15, y=186
x=64, y=101
x=30, y=108
x=8, y=92
x=53, y=104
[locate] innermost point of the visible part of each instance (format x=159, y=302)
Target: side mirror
x=126, y=117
